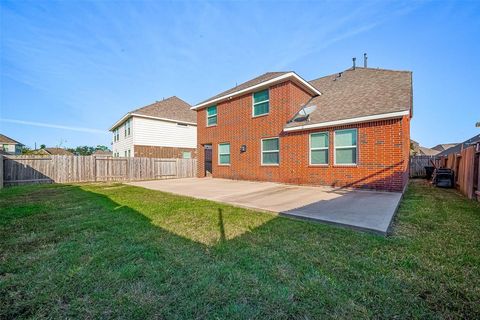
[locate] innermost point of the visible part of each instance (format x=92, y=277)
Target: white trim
x=258, y=86
x=324, y=148
x=345, y=147
x=254, y=103
x=349, y=121
x=269, y=151
x=128, y=115
x=229, y=153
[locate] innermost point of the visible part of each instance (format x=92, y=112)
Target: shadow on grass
x=125, y=252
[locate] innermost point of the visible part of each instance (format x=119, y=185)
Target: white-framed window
x=224, y=153
x=116, y=135
x=212, y=116
x=128, y=127
x=129, y=154
x=346, y=147
x=319, y=148
x=270, y=151
x=261, y=103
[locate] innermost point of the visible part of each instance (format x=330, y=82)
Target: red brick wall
x=162, y=152
x=382, y=151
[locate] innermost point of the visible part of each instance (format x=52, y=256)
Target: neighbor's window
x=127, y=127
x=319, y=148
x=224, y=153
x=270, y=151
x=129, y=154
x=346, y=146
x=261, y=103
x=186, y=155
x=211, y=116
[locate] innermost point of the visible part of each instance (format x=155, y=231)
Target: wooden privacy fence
x=66, y=169
x=418, y=164
x=466, y=167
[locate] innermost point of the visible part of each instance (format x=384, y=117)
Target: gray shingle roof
x=444, y=146
x=264, y=77
x=172, y=108
x=358, y=93
x=7, y=140
x=460, y=146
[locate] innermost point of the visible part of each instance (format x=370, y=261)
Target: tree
x=86, y=150
x=26, y=150
x=42, y=146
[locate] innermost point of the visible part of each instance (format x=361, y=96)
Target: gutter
x=383, y=116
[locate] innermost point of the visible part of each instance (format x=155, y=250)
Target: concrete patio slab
x=368, y=210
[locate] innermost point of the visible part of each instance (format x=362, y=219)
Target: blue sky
x=71, y=69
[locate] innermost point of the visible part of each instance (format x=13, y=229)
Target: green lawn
x=116, y=251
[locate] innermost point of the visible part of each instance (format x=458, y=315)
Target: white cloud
x=54, y=126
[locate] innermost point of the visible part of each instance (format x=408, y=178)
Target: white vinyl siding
x=151, y=132
x=122, y=144
x=270, y=151
x=346, y=147
x=261, y=103
x=319, y=148
x=224, y=154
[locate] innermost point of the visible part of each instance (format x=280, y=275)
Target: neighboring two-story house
x=164, y=129
x=349, y=129
x=10, y=146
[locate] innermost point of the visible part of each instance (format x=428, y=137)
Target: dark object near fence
x=443, y=178
x=429, y=172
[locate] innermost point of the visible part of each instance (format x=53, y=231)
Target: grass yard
x=116, y=251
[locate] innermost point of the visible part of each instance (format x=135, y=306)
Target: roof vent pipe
x=365, y=60
x=353, y=59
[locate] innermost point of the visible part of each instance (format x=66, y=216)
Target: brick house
x=164, y=129
x=350, y=129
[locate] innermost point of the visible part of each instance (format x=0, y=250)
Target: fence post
x=1, y=171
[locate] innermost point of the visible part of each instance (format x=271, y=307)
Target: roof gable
x=173, y=108
x=258, y=83
x=7, y=140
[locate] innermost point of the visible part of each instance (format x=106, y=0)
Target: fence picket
x=66, y=169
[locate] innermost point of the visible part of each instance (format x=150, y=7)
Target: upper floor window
x=128, y=127
x=116, y=135
x=261, y=103
x=224, y=153
x=211, y=116
x=346, y=146
x=319, y=148
x=270, y=151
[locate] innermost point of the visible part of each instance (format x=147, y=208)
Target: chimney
x=353, y=59
x=365, y=60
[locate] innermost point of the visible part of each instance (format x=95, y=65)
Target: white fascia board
x=128, y=115
x=382, y=116
x=119, y=122
x=262, y=84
